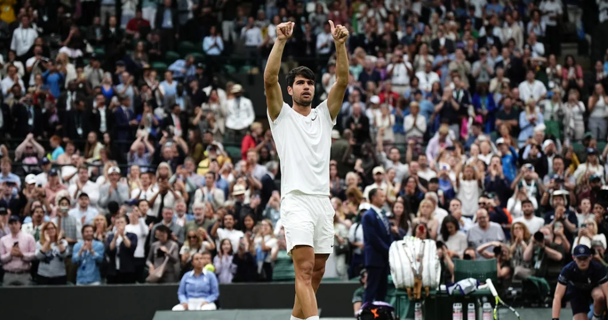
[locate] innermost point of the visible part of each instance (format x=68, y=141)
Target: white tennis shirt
x=303, y=144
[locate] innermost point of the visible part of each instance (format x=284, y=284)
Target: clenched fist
x=339, y=33
x=285, y=30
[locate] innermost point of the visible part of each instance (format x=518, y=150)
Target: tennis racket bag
x=414, y=265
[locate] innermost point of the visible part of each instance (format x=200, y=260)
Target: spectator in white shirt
x=325, y=41
x=228, y=231
x=531, y=88
x=252, y=36
x=12, y=78
x=240, y=114
x=536, y=48
x=399, y=71
x=84, y=185
x=414, y=123
x=427, y=77
x=23, y=38
x=84, y=213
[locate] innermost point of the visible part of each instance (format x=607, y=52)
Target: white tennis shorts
x=308, y=221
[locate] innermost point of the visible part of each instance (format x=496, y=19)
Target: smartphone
x=583, y=225
x=16, y=244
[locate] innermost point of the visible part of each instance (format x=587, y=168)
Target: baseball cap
x=120, y=63
x=591, y=151
x=30, y=179
x=44, y=161
x=237, y=88
x=3, y=210
x=364, y=206
x=200, y=65
x=547, y=143
x=374, y=99
x=540, y=128
x=114, y=170
x=13, y=219
x=53, y=172
x=581, y=251
x=529, y=166
x=238, y=190
x=500, y=141
x=377, y=170
x=588, y=135
x=594, y=177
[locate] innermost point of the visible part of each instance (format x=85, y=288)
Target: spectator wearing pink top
x=17, y=250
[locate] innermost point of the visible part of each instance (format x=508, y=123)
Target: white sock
x=294, y=318
x=313, y=318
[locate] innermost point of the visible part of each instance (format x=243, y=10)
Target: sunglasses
x=192, y=237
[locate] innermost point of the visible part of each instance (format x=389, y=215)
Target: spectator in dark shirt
x=507, y=114
x=358, y=122
x=369, y=74
x=244, y=259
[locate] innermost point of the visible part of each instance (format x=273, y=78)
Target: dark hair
x=525, y=201
x=163, y=228
x=85, y=227
x=444, y=226
x=434, y=180
x=299, y=71
x=372, y=193
x=113, y=207
x=222, y=243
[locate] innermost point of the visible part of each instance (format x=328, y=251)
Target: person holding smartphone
x=17, y=251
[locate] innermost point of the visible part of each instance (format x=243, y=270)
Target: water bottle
x=457, y=311
x=471, y=312
x=487, y=311
x=418, y=311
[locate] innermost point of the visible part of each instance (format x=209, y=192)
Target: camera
x=160, y=253
x=559, y=180
x=583, y=225
x=539, y=236
x=497, y=251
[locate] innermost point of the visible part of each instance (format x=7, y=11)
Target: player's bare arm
x=560, y=291
x=336, y=93
x=274, y=97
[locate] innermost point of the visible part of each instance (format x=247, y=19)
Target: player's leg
x=305, y=305
x=317, y=275
x=599, y=303
x=579, y=301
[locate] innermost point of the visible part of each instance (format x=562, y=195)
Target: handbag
x=342, y=249
x=155, y=276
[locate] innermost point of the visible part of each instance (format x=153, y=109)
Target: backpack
x=377, y=310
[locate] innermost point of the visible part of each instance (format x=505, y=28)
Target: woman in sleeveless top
x=597, y=112
x=469, y=189
x=553, y=113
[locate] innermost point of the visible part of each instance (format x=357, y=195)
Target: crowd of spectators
x=115, y=169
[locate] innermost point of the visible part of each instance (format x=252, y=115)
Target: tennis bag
x=414, y=264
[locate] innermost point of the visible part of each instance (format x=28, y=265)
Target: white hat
x=547, y=143
x=500, y=141
x=238, y=190
x=374, y=99
x=30, y=179
x=236, y=88
x=114, y=170
x=335, y=134
x=364, y=206
x=377, y=170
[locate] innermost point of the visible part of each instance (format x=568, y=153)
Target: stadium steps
x=171, y=56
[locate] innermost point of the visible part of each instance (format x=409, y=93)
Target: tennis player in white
x=303, y=139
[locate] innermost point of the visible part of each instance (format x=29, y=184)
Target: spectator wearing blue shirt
x=6, y=175
x=88, y=255
x=183, y=68
x=508, y=158
x=54, y=77
x=199, y=288
x=213, y=44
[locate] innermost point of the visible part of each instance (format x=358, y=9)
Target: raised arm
x=336, y=93
x=274, y=96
